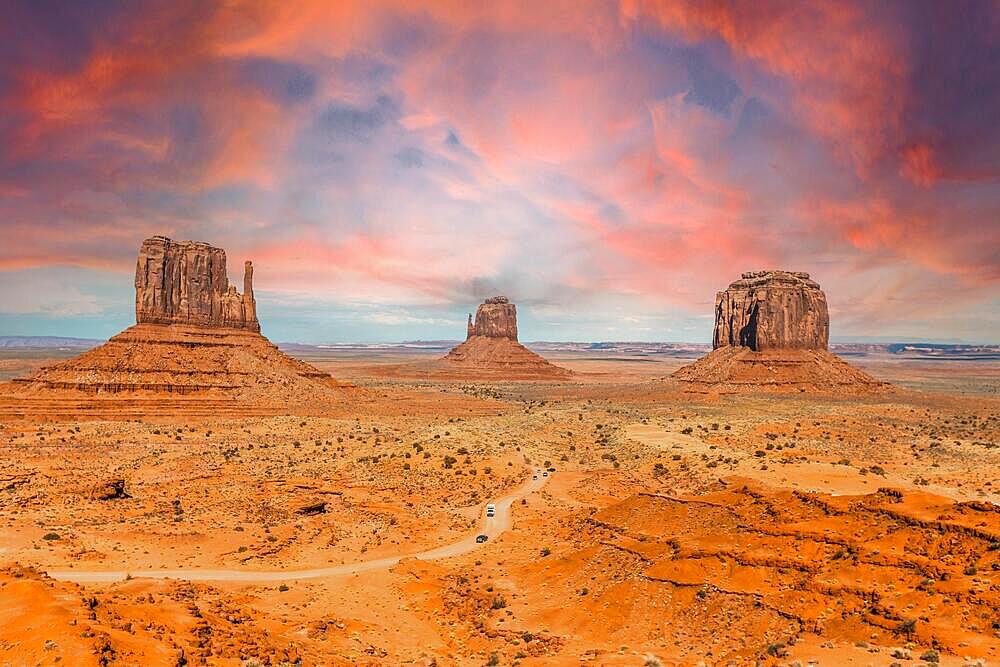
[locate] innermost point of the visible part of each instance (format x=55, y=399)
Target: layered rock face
x=185, y=282
x=495, y=318
x=770, y=310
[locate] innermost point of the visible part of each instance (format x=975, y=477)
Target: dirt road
x=491, y=526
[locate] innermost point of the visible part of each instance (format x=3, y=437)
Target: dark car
x=481, y=538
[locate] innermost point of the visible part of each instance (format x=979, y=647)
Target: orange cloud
x=557, y=141
x=919, y=165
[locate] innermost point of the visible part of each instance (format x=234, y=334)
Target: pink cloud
x=584, y=161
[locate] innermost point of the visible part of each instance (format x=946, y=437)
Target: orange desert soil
x=676, y=529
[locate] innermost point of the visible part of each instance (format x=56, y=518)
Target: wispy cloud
x=571, y=154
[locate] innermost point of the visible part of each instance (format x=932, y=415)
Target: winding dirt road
x=491, y=526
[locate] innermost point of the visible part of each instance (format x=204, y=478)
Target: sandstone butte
x=185, y=282
x=194, y=333
x=491, y=349
x=772, y=329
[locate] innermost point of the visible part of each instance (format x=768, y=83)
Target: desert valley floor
x=676, y=528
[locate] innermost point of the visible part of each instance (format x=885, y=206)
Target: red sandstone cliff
x=766, y=310
x=185, y=282
x=495, y=318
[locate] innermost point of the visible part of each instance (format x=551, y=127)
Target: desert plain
x=669, y=527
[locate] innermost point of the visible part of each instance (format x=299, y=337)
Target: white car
x=491, y=510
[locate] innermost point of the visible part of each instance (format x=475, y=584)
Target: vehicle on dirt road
x=491, y=510
x=481, y=538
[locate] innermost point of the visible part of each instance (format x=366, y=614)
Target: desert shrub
x=50, y=536
x=499, y=602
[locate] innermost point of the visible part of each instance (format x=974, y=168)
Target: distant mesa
x=194, y=333
x=491, y=350
x=772, y=329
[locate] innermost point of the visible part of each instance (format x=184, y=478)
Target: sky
x=609, y=166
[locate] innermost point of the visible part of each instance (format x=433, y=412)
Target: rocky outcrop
x=491, y=350
x=769, y=310
x=194, y=334
x=495, y=318
x=771, y=334
x=112, y=489
x=185, y=282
